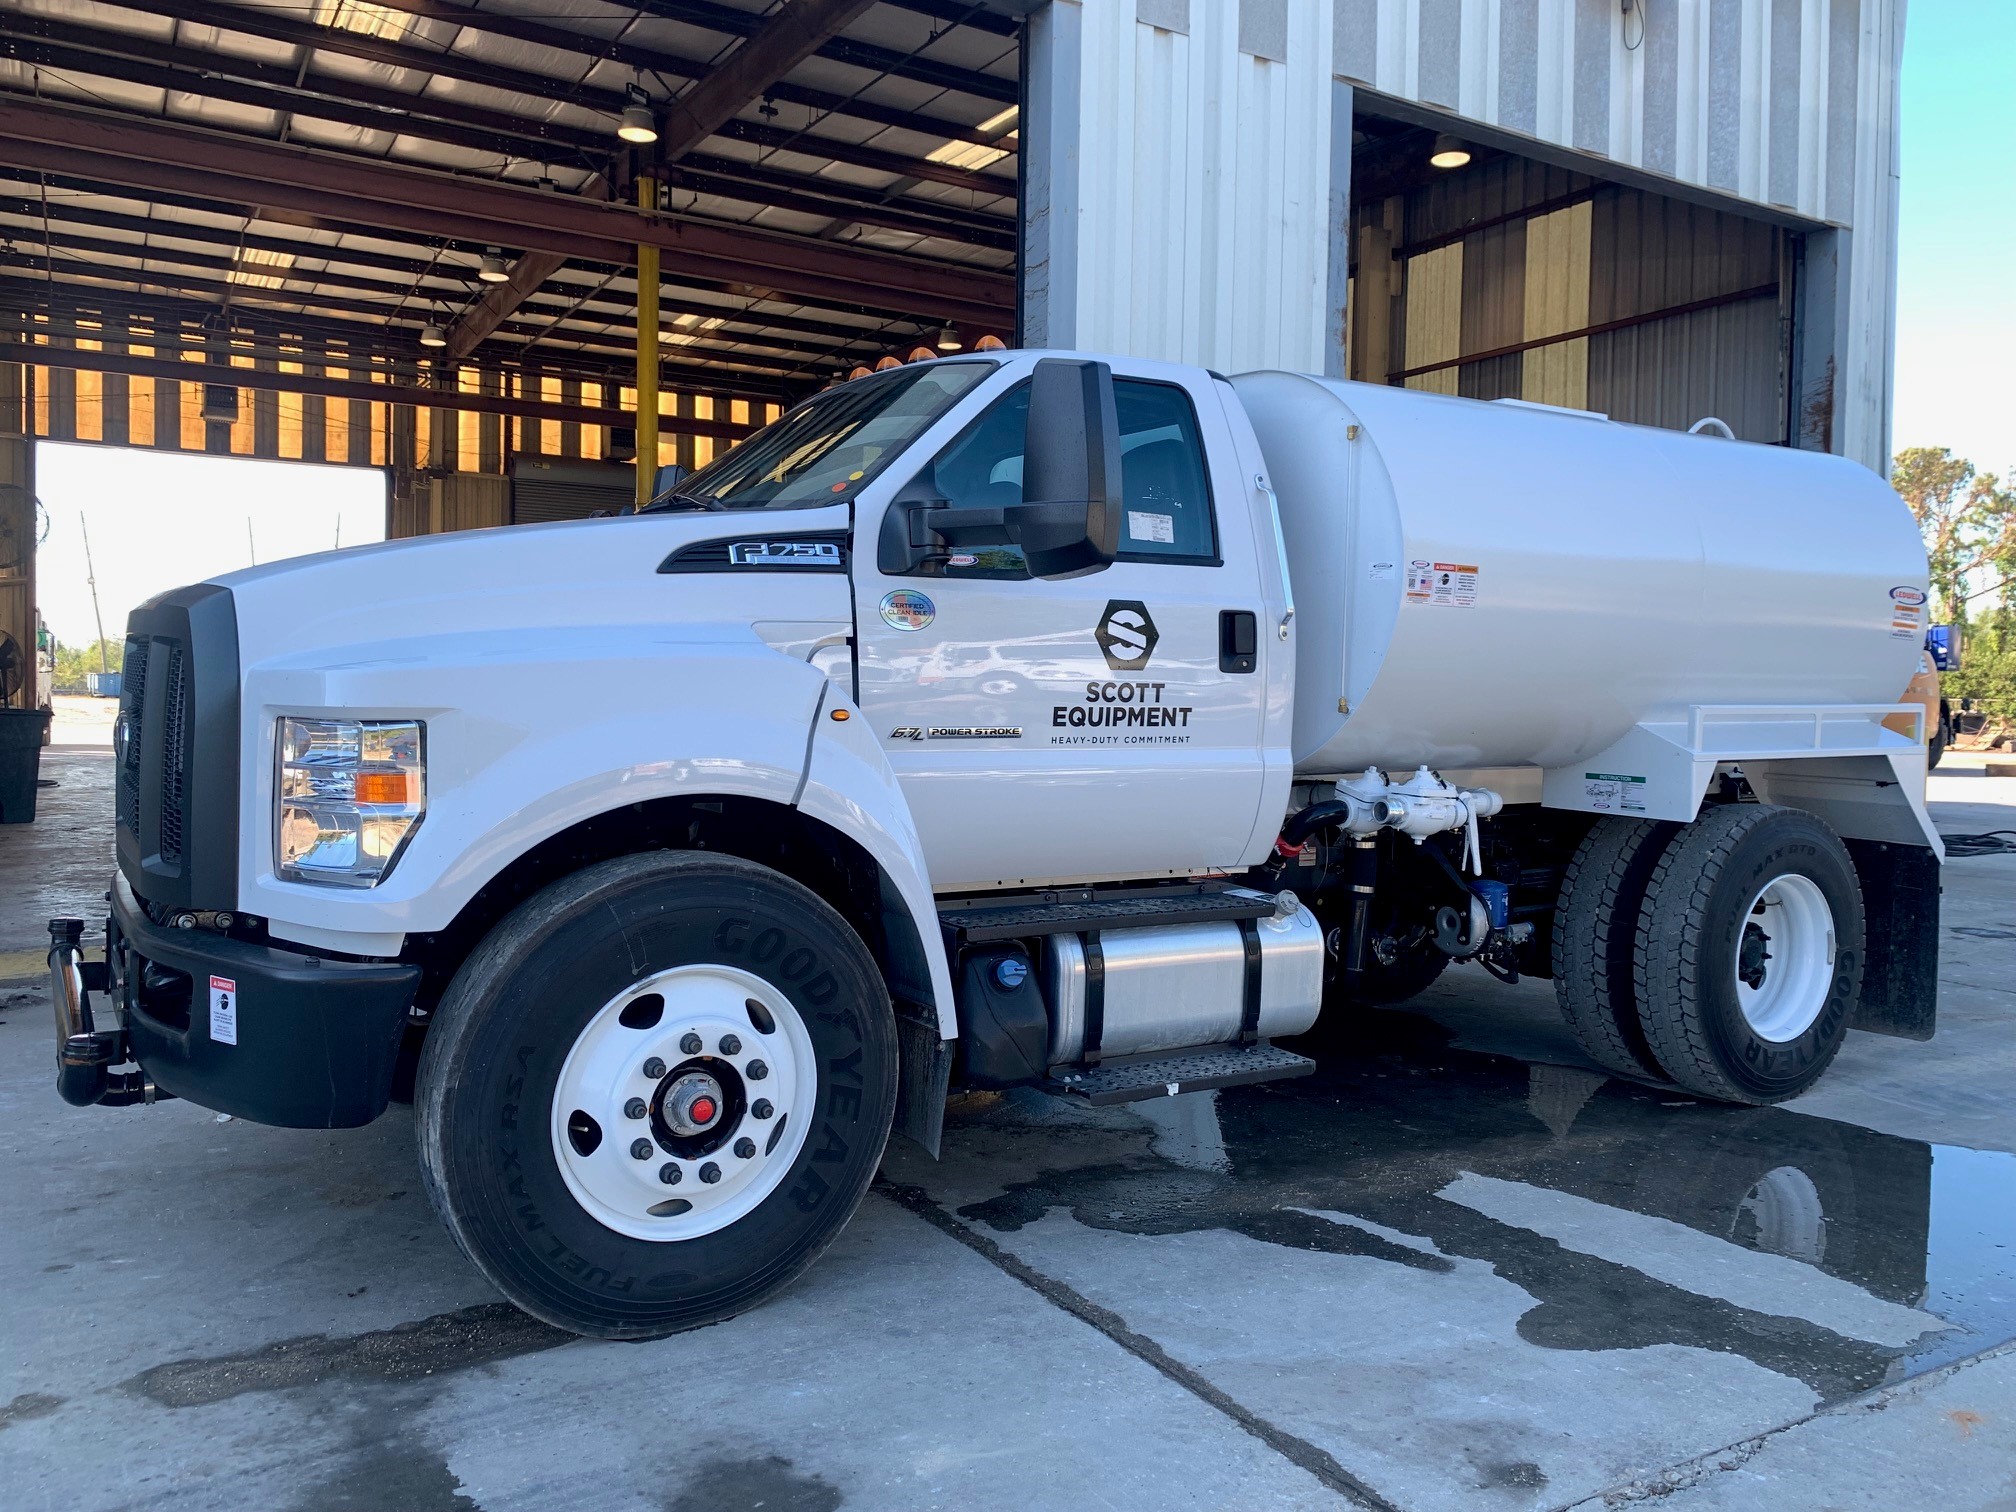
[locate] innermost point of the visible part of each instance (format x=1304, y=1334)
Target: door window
x=1167, y=512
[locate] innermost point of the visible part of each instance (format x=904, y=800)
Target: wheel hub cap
x=691, y=1103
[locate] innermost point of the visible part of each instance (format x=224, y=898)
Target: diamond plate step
x=979, y=922
x=1192, y=1071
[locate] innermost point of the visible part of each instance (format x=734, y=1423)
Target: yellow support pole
x=647, y=351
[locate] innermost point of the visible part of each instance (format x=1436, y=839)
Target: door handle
x=1238, y=640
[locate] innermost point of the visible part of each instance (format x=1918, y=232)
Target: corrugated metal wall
x=1190, y=209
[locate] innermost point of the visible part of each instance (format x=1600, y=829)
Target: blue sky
x=1956, y=277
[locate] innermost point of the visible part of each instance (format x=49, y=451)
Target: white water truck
x=1024, y=719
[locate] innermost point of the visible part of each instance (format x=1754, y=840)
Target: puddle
x=1633, y=1217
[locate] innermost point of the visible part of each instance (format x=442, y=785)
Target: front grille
x=174, y=755
x=178, y=763
x=132, y=707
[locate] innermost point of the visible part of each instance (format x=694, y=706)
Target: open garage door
x=1504, y=277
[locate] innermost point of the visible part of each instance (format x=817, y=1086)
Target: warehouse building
x=456, y=242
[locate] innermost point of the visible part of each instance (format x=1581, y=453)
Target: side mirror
x=1069, y=521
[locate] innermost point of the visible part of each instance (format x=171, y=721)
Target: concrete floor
x=1457, y=1268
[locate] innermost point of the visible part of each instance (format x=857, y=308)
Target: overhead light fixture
x=431, y=335
x=1448, y=153
x=990, y=343
x=638, y=125
x=492, y=269
x=859, y=370
x=883, y=364
x=948, y=340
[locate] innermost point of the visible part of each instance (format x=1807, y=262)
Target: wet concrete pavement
x=1457, y=1268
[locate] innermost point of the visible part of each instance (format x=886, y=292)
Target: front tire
x=656, y=1092
x=1749, y=953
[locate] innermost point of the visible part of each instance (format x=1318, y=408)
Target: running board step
x=1080, y=910
x=1192, y=1071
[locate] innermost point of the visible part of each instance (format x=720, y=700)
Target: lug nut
x=640, y=1149
x=744, y=1148
x=654, y=1068
x=730, y=1045
x=669, y=1173
x=634, y=1108
x=761, y=1107
x=691, y=1045
x=757, y=1070
x=710, y=1173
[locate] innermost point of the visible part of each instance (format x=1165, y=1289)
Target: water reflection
x=1633, y=1217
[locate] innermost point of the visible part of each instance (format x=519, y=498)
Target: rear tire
x=656, y=1092
x=1750, y=953
x=1596, y=940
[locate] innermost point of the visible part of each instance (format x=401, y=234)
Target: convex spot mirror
x=1068, y=519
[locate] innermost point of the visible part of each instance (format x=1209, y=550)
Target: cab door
x=1107, y=725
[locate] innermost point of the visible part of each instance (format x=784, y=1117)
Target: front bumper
x=274, y=1036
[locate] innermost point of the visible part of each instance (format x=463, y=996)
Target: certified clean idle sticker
x=907, y=609
x=223, y=1011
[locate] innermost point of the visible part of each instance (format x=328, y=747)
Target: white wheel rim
x=1785, y=958
x=607, y=1069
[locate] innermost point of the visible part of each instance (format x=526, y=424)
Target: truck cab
x=963, y=729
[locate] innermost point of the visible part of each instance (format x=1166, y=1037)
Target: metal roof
x=842, y=209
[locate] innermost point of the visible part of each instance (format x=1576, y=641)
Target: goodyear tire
x=656, y=1092
x=1749, y=953
x=1596, y=939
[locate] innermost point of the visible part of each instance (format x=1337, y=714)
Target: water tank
x=1505, y=584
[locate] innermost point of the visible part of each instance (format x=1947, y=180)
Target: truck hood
x=531, y=578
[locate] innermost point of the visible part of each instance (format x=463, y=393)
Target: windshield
x=827, y=449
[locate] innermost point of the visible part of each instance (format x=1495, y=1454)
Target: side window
x=1167, y=513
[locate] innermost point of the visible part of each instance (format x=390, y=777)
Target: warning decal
x=1907, y=613
x=1450, y=584
x=223, y=1011
x=1610, y=793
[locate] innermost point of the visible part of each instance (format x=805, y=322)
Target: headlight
x=350, y=795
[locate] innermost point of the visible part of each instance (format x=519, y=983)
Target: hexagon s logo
x=1126, y=635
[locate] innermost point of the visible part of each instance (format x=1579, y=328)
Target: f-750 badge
x=785, y=554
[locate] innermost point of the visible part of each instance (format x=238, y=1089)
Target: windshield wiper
x=667, y=503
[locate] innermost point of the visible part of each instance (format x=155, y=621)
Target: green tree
x=1968, y=521
x=1987, y=675
x=74, y=663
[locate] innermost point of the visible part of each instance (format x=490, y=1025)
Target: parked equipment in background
x=23, y=732
x=1013, y=719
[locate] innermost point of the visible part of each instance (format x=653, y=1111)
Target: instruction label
x=223, y=1011
x=1450, y=584
x=1612, y=793
x=1907, y=613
